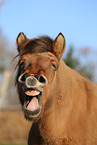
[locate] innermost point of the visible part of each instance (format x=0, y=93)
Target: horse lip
x=32, y=114
x=39, y=88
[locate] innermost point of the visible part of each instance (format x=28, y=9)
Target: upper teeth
x=32, y=93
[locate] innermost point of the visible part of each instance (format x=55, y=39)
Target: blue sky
x=76, y=19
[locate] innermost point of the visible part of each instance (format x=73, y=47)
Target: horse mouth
x=33, y=104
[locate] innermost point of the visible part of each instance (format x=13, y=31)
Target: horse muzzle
x=33, y=86
x=33, y=81
x=36, y=82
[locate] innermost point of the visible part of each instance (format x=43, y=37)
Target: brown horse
x=61, y=103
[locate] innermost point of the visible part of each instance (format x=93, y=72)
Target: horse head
x=37, y=68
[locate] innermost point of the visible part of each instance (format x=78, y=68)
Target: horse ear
x=20, y=39
x=59, y=45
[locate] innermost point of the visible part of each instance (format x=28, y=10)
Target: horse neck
x=59, y=111
x=71, y=92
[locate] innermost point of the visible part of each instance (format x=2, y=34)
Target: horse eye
x=52, y=64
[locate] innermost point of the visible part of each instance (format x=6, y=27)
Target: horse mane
x=37, y=45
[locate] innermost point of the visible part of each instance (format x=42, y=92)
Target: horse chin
x=32, y=115
x=33, y=104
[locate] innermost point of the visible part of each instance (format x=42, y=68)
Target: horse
x=60, y=102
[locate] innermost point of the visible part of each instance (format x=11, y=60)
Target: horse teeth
x=32, y=93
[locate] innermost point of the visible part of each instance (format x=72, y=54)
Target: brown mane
x=38, y=45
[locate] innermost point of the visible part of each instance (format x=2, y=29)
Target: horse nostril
x=42, y=79
x=22, y=78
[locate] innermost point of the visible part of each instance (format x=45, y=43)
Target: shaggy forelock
x=38, y=45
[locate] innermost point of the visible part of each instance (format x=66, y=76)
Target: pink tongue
x=33, y=104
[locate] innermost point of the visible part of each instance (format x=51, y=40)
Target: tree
x=70, y=60
x=74, y=63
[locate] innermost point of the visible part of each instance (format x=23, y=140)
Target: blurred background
x=76, y=19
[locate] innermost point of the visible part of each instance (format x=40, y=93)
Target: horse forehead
x=38, y=57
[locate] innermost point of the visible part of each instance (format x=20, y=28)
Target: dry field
x=13, y=127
